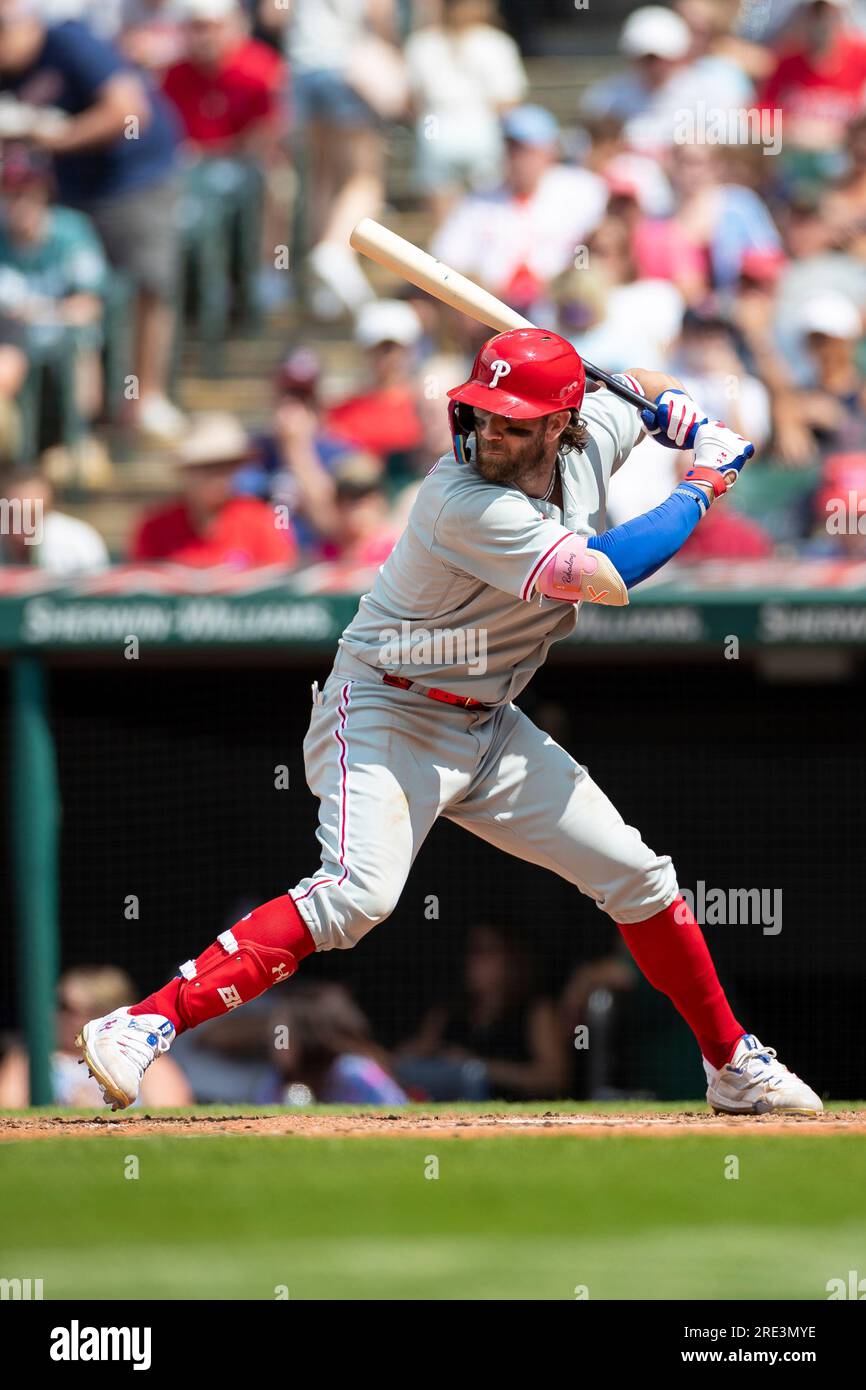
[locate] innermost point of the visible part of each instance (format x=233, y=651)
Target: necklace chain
x=553, y=477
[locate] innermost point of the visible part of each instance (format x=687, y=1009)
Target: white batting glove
x=720, y=454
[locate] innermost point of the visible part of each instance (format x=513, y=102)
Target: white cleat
x=118, y=1050
x=755, y=1082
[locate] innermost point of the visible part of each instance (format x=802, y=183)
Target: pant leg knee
x=641, y=889
x=339, y=912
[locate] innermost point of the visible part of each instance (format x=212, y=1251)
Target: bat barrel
x=389, y=249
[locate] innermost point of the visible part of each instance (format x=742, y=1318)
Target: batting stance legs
x=385, y=764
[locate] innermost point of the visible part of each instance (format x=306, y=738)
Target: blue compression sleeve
x=641, y=546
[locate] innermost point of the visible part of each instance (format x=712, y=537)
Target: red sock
x=228, y=975
x=671, y=952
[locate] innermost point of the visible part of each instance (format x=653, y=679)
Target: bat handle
x=618, y=388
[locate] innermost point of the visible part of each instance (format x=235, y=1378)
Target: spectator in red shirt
x=730, y=536
x=384, y=419
x=226, y=89
x=209, y=525
x=818, y=82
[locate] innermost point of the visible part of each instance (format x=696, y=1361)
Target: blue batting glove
x=675, y=420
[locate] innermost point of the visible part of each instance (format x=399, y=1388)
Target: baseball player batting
x=504, y=542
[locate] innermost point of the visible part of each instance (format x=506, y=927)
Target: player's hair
x=575, y=435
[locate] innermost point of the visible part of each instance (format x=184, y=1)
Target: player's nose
x=491, y=432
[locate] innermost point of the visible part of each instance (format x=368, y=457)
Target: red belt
x=465, y=701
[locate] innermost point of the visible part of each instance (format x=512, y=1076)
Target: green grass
x=517, y=1217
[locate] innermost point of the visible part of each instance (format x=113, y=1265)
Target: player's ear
x=556, y=423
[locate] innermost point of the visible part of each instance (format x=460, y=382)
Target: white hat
x=655, y=30
x=833, y=314
x=213, y=437
x=387, y=321
x=209, y=9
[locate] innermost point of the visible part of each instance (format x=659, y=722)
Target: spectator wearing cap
x=61, y=545
x=673, y=71
x=767, y=307
x=209, y=524
x=819, y=407
x=383, y=418
x=818, y=82
x=365, y=530
x=814, y=262
x=113, y=141
x=226, y=88
x=515, y=239
x=464, y=73
x=834, y=409
x=53, y=271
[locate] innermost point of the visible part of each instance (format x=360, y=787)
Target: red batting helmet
x=523, y=374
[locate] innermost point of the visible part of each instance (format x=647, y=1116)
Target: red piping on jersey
x=344, y=776
x=339, y=735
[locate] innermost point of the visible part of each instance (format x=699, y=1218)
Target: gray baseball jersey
x=454, y=605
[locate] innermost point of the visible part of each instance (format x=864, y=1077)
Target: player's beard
x=508, y=465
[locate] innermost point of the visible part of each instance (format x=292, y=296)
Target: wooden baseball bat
x=382, y=245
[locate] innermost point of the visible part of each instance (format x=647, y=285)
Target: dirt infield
x=441, y=1125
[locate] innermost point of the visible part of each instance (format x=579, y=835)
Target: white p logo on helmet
x=498, y=368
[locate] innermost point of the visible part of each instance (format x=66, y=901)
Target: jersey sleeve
x=501, y=540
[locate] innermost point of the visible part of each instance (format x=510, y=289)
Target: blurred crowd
x=700, y=208
x=496, y=1035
